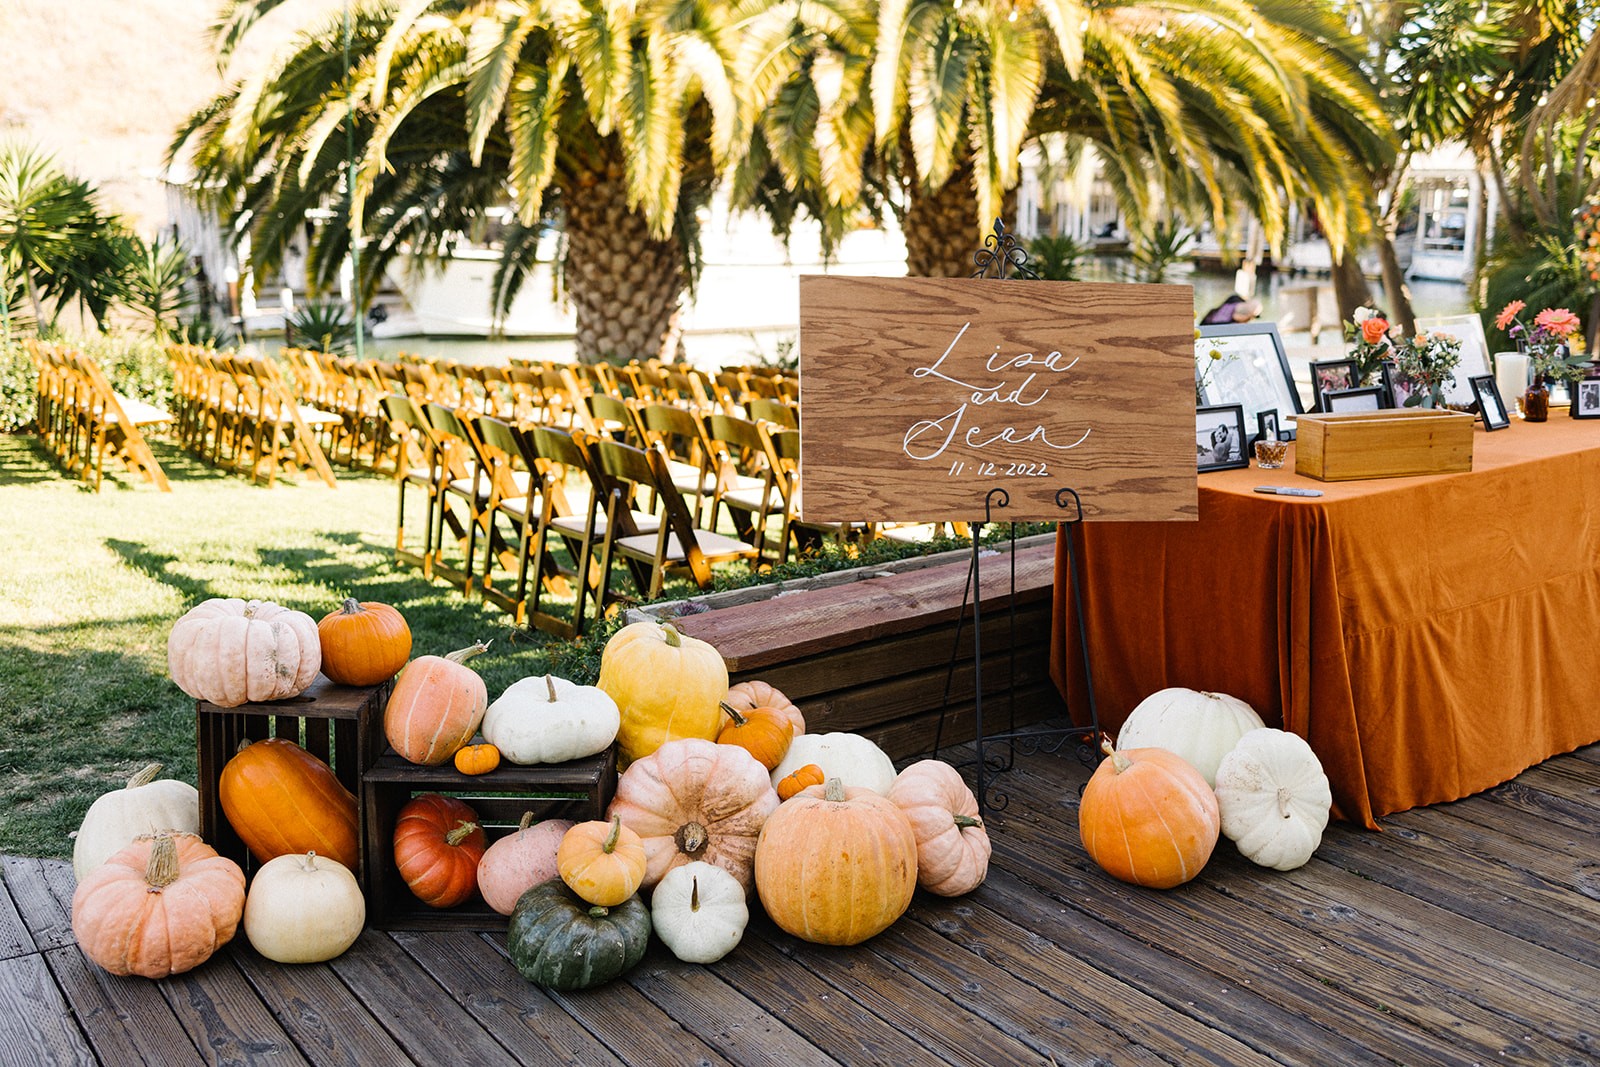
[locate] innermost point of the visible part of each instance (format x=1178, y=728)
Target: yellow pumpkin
x=666, y=685
x=602, y=862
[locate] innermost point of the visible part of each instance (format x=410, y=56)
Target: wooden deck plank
x=629, y=1025
x=35, y=1024
x=326, y=1021
x=14, y=937
x=1572, y=780
x=741, y=1029
x=1525, y=840
x=1552, y=809
x=417, y=1013
x=225, y=1017
x=50, y=924
x=531, y=1026
x=838, y=1025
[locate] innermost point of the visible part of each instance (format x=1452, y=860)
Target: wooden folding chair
x=768, y=409
x=746, y=485
x=115, y=426
x=501, y=490
x=459, y=479
x=678, y=545
x=782, y=449
x=416, y=465
x=681, y=436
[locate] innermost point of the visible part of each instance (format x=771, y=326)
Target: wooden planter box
x=1395, y=443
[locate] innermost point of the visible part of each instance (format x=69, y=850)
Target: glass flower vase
x=1536, y=401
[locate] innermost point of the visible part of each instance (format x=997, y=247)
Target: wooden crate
x=339, y=724
x=579, y=790
x=1347, y=445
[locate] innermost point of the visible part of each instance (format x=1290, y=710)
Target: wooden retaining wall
x=871, y=656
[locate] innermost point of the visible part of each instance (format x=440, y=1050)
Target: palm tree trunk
x=1396, y=295
x=941, y=228
x=1350, y=287
x=624, y=282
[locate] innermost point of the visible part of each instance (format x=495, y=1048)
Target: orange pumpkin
x=602, y=862
x=801, y=778
x=438, y=844
x=836, y=865
x=765, y=733
x=281, y=801
x=436, y=707
x=477, y=759
x=1148, y=817
x=160, y=906
x=363, y=643
x=746, y=696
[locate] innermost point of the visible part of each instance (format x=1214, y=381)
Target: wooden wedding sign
x=920, y=395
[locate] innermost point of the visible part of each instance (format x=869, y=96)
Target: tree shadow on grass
x=25, y=461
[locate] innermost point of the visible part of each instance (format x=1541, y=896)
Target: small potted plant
x=1548, y=346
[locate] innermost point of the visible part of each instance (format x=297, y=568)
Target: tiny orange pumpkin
x=477, y=759
x=808, y=775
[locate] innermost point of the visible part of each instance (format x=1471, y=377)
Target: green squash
x=559, y=941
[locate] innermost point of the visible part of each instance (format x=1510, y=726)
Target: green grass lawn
x=94, y=581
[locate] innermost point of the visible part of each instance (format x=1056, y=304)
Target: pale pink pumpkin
x=233, y=652
x=519, y=861
x=952, y=845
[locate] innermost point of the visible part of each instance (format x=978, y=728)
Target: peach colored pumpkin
x=519, y=861
x=695, y=800
x=747, y=696
x=836, y=865
x=161, y=906
x=233, y=652
x=1148, y=817
x=952, y=845
x=436, y=707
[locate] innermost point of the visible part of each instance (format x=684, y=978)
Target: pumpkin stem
x=145, y=777
x=597, y=912
x=1118, y=760
x=526, y=821
x=692, y=839
x=670, y=632
x=462, y=831
x=610, y=844
x=738, y=720
x=964, y=821
x=244, y=743
x=461, y=655
x=351, y=606
x=834, y=790
x=162, y=870
x=550, y=684
x=309, y=863
x=694, y=893
x=1283, y=802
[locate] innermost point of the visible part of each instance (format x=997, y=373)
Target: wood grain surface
x=921, y=395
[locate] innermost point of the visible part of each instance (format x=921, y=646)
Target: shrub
x=16, y=387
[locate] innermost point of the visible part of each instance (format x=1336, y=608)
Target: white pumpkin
x=233, y=652
x=303, y=909
x=1274, y=798
x=146, y=805
x=544, y=719
x=1200, y=727
x=848, y=756
x=699, y=912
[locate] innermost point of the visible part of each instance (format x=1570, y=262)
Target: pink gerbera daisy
x=1508, y=314
x=1558, y=321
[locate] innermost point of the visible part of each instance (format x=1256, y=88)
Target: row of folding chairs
x=242, y=413
x=83, y=420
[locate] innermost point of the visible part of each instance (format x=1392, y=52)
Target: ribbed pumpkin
x=1147, y=817
x=519, y=861
x=282, y=800
x=438, y=843
x=798, y=779
x=476, y=759
x=436, y=707
x=1274, y=799
x=1200, y=727
x=746, y=696
x=836, y=865
x=667, y=686
x=558, y=940
x=363, y=643
x=602, y=862
x=693, y=800
x=161, y=906
x=148, y=804
x=233, y=652
x=765, y=733
x=952, y=845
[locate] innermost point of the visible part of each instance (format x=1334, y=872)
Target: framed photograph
x=1330, y=375
x=1266, y=427
x=1392, y=382
x=1253, y=371
x=1493, y=409
x=1367, y=399
x=1586, y=398
x=1219, y=437
x=1468, y=329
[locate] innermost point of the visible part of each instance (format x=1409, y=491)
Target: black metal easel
x=1001, y=258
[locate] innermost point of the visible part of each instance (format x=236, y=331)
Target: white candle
x=1511, y=376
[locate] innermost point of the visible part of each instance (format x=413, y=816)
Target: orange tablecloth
x=1430, y=637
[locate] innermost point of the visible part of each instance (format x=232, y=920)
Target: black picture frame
x=1335, y=400
x=1585, y=398
x=1330, y=375
x=1387, y=379
x=1258, y=378
x=1267, y=428
x=1491, y=408
x=1220, y=438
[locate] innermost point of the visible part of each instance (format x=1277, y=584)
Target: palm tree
x=609, y=120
